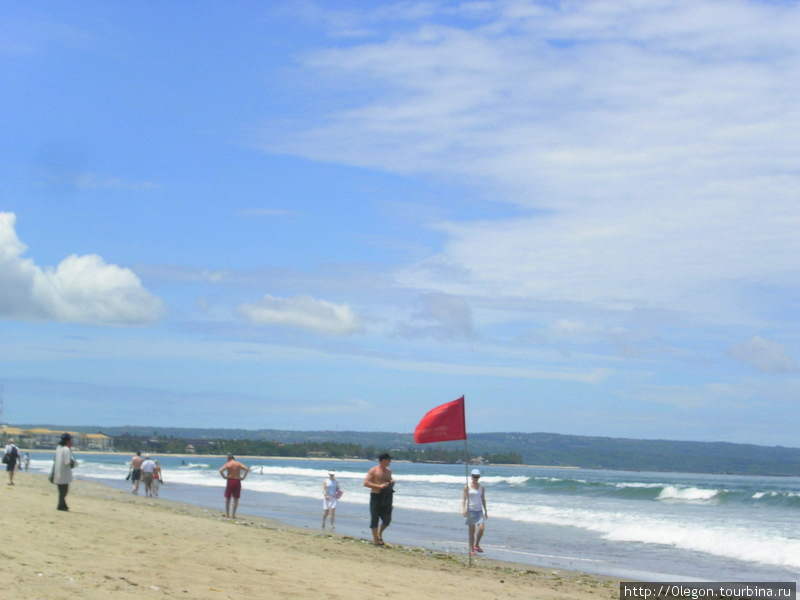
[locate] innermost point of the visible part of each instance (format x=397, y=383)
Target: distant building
x=99, y=442
x=47, y=439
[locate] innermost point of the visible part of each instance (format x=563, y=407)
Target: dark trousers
x=63, y=490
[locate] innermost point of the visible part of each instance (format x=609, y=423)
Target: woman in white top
x=473, y=505
x=331, y=493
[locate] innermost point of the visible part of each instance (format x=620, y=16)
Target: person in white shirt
x=148, y=468
x=473, y=504
x=62, y=469
x=331, y=493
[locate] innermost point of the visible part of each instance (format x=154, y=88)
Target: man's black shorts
x=380, y=507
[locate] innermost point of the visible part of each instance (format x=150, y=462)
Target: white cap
x=475, y=472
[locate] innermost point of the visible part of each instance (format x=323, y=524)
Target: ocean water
x=646, y=526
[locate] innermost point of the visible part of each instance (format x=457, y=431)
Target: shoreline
x=115, y=544
x=308, y=458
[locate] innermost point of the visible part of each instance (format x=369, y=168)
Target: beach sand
x=113, y=545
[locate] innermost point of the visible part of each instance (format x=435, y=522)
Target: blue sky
x=337, y=215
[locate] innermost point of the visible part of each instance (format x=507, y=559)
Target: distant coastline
x=533, y=449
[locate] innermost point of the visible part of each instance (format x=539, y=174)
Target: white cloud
x=81, y=289
x=765, y=355
x=664, y=256
x=651, y=144
x=303, y=312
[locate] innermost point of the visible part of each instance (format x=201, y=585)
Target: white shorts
x=329, y=503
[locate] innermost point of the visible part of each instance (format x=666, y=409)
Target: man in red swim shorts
x=234, y=472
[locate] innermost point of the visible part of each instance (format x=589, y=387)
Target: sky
x=581, y=215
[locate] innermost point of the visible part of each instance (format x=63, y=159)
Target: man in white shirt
x=148, y=468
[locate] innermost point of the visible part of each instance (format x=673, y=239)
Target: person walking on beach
x=331, y=493
x=157, y=480
x=379, y=480
x=234, y=472
x=62, y=469
x=27, y=461
x=136, y=472
x=10, y=458
x=148, y=469
x=473, y=505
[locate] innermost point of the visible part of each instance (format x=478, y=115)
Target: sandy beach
x=113, y=545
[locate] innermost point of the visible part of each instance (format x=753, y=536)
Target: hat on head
x=475, y=472
x=65, y=437
x=331, y=471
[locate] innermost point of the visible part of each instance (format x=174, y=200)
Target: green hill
x=533, y=448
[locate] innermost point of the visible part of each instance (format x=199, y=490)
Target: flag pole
x=466, y=487
x=446, y=423
x=466, y=477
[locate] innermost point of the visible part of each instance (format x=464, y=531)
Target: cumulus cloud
x=765, y=355
x=304, y=312
x=81, y=289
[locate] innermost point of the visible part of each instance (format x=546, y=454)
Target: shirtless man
x=234, y=472
x=379, y=480
x=136, y=472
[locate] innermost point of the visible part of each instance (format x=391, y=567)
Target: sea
x=682, y=527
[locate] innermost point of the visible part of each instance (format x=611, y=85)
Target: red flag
x=442, y=424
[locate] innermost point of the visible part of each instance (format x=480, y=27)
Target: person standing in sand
x=136, y=472
x=473, y=507
x=331, y=493
x=148, y=469
x=10, y=457
x=234, y=472
x=62, y=469
x=157, y=480
x=379, y=480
